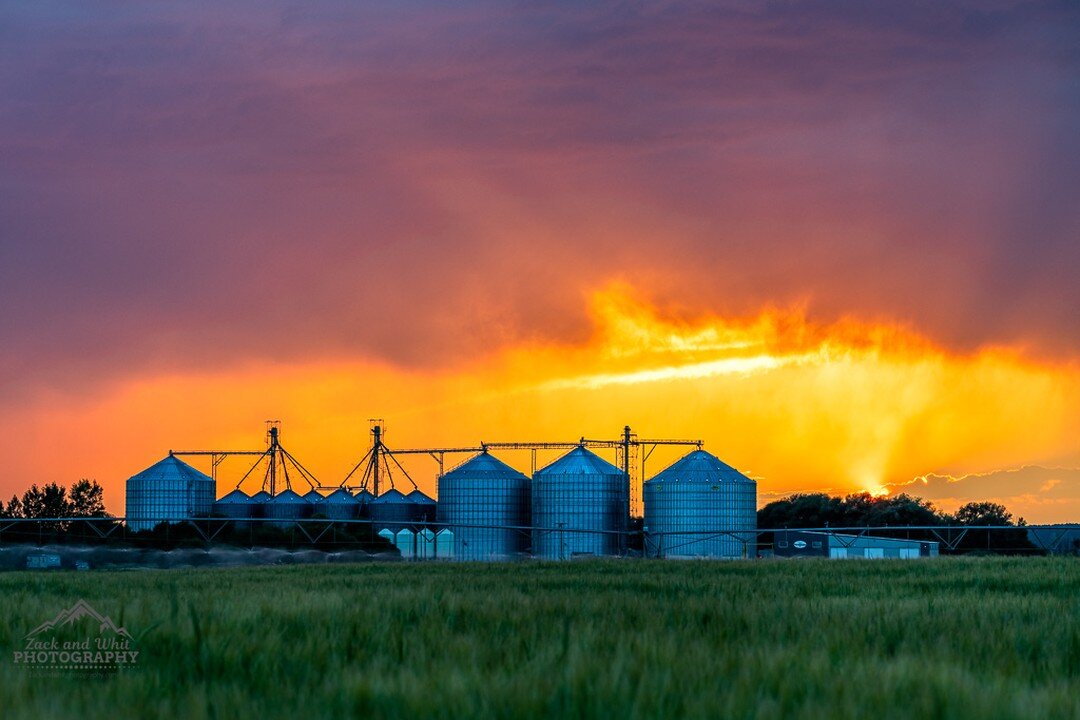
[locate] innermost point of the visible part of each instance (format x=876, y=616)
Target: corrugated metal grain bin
x=169, y=490
x=341, y=505
x=444, y=544
x=700, y=507
x=287, y=506
x=258, y=503
x=579, y=507
x=405, y=541
x=425, y=506
x=393, y=510
x=364, y=498
x=485, y=503
x=237, y=506
x=425, y=544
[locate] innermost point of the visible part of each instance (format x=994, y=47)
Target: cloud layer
x=798, y=405
x=1037, y=492
x=258, y=201
x=208, y=183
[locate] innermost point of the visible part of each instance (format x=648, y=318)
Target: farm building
x=801, y=543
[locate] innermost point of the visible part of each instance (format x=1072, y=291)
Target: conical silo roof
x=341, y=496
x=313, y=496
x=392, y=495
x=419, y=498
x=580, y=461
x=236, y=497
x=484, y=465
x=171, y=468
x=364, y=497
x=700, y=466
x=287, y=496
x=261, y=497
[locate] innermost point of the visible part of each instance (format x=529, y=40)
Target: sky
x=837, y=241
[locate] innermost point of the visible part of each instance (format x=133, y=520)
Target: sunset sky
x=837, y=241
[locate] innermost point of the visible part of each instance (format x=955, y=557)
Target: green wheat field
x=941, y=638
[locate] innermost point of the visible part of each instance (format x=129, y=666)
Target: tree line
x=816, y=510
x=85, y=499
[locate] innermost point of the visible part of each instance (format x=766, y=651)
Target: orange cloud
x=846, y=406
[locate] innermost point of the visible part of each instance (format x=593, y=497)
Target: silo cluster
x=576, y=506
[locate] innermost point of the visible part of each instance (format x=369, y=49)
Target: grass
x=944, y=638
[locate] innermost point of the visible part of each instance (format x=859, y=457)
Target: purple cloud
x=183, y=186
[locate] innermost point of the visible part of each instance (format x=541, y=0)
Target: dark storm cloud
x=184, y=185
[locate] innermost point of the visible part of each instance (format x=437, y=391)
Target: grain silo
x=258, y=504
x=235, y=505
x=425, y=509
x=286, y=507
x=392, y=510
x=363, y=499
x=315, y=498
x=444, y=544
x=485, y=503
x=700, y=507
x=340, y=505
x=579, y=507
x=425, y=544
x=169, y=490
x=405, y=542
x=238, y=507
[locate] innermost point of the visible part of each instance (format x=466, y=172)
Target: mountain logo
x=79, y=641
x=76, y=612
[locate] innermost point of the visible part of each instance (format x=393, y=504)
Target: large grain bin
x=340, y=505
x=579, y=507
x=700, y=507
x=169, y=490
x=287, y=507
x=393, y=510
x=485, y=503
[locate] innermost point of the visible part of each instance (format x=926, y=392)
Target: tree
x=983, y=513
x=87, y=499
x=13, y=510
x=46, y=502
x=902, y=509
x=802, y=510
